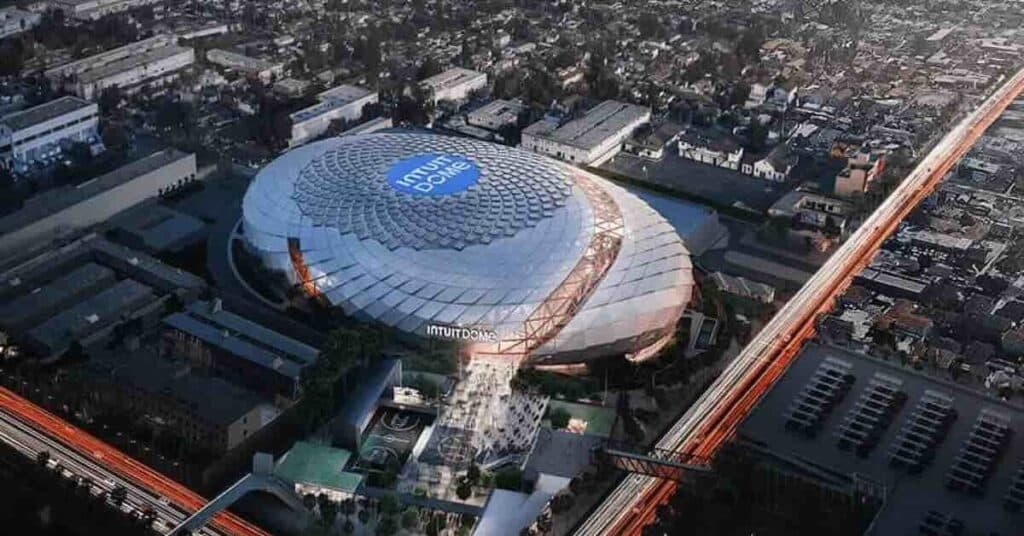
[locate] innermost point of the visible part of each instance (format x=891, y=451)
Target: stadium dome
x=445, y=237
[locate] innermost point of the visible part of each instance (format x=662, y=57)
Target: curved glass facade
x=421, y=231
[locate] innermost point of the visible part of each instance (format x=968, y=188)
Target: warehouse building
x=64, y=211
x=40, y=133
x=589, y=140
x=342, y=103
x=454, y=84
x=237, y=349
x=150, y=62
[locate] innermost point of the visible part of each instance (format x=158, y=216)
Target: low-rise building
x=589, y=140
x=209, y=413
x=496, y=115
x=342, y=103
x=775, y=166
x=237, y=349
x=41, y=132
x=649, y=141
x=721, y=151
x=13, y=21
x=63, y=211
x=317, y=469
x=454, y=84
x=151, y=62
x=813, y=209
x=95, y=9
x=863, y=167
x=81, y=293
x=255, y=67
x=891, y=284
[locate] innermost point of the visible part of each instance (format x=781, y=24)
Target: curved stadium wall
x=509, y=251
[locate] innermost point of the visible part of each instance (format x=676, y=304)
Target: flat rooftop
x=158, y=228
x=317, y=110
x=91, y=315
x=600, y=123
x=451, y=78
x=25, y=273
x=53, y=201
x=39, y=302
x=131, y=62
x=114, y=54
x=44, y=112
x=982, y=444
x=502, y=109
x=239, y=61
x=213, y=399
x=344, y=93
x=318, y=465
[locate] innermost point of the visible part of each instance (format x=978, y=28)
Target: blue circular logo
x=433, y=174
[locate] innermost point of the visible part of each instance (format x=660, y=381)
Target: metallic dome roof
x=418, y=230
x=341, y=188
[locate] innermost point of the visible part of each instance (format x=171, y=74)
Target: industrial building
x=240, y=350
x=589, y=140
x=341, y=103
x=454, y=84
x=496, y=114
x=95, y=9
x=151, y=61
x=41, y=132
x=441, y=237
x=318, y=469
x=81, y=292
x=255, y=67
x=63, y=211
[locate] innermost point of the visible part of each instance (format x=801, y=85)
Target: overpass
x=260, y=479
x=713, y=419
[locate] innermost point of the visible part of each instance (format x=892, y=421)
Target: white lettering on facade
x=462, y=333
x=434, y=173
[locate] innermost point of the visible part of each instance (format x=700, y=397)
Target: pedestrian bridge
x=260, y=479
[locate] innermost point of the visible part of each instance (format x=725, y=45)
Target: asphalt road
x=31, y=443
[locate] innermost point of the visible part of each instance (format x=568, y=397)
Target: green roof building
x=318, y=469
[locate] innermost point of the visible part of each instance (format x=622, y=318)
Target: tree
x=428, y=68
x=473, y=473
x=115, y=137
x=649, y=25
x=464, y=490
x=758, y=136
x=389, y=504
x=559, y=418
x=12, y=57
x=749, y=44
x=110, y=100
x=387, y=526
x=410, y=520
